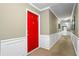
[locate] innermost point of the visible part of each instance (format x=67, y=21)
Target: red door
x=32, y=31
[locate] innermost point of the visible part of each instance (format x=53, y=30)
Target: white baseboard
x=13, y=47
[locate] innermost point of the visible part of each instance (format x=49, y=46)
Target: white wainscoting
x=78, y=47
x=54, y=38
x=74, y=40
x=13, y=47
x=47, y=41
x=44, y=41
x=0, y=47
x=17, y=46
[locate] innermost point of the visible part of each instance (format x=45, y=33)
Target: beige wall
x=48, y=22
x=52, y=23
x=76, y=14
x=12, y=20
x=44, y=22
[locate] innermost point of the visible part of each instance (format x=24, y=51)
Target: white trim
x=31, y=11
x=13, y=46
x=51, y=9
x=54, y=13
x=72, y=35
x=48, y=41
x=44, y=41
x=38, y=8
x=73, y=10
x=78, y=48
x=32, y=51
x=44, y=9
x=54, y=38
x=74, y=47
x=34, y=6
x=38, y=29
x=12, y=40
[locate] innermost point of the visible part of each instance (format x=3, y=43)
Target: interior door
x=32, y=31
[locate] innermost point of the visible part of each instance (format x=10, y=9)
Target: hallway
x=39, y=26
x=63, y=47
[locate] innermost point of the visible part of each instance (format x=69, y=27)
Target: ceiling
x=61, y=10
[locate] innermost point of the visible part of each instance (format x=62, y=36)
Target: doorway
x=32, y=30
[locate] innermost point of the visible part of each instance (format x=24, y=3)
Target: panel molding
x=13, y=47
x=12, y=40
x=44, y=41
x=54, y=38
x=48, y=41
x=74, y=40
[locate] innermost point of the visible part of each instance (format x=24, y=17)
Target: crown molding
x=73, y=9
x=54, y=13
x=44, y=9
x=34, y=6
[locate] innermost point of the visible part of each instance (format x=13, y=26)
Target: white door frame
x=38, y=30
